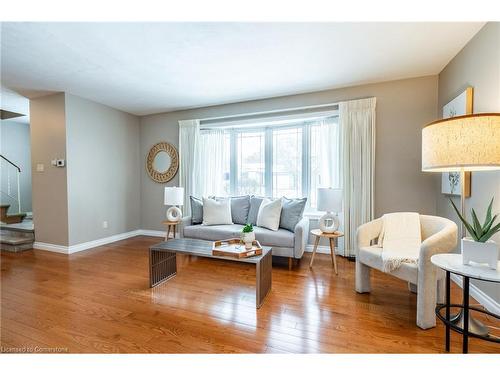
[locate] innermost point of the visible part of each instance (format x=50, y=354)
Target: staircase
x=10, y=219
x=17, y=237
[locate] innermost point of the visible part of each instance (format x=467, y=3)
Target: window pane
x=251, y=163
x=287, y=163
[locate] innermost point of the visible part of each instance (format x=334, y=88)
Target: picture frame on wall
x=458, y=106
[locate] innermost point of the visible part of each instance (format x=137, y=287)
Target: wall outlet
x=105, y=224
x=40, y=167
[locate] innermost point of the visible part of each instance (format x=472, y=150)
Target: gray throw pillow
x=196, y=210
x=254, y=209
x=239, y=208
x=291, y=212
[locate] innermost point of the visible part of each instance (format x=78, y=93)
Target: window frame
x=306, y=125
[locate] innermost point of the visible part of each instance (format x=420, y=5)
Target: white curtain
x=329, y=153
x=357, y=123
x=211, y=163
x=202, y=161
x=189, y=133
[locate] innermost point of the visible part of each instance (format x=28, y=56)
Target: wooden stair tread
x=11, y=240
x=14, y=228
x=16, y=215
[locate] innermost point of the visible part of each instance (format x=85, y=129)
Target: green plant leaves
x=488, y=212
x=248, y=228
x=480, y=233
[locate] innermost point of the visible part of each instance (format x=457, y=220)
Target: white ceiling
x=145, y=68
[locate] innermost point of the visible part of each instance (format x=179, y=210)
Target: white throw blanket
x=400, y=239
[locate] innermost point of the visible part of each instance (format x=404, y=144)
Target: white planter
x=480, y=252
x=248, y=239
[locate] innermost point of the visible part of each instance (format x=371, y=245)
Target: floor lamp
x=460, y=144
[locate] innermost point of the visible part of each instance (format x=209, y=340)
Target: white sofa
x=439, y=235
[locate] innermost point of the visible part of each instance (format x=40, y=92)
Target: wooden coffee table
x=163, y=263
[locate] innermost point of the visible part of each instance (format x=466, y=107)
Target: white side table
x=452, y=263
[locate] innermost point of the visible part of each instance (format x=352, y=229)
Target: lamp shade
x=329, y=200
x=469, y=143
x=174, y=196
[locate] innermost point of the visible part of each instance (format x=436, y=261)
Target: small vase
x=248, y=239
x=480, y=252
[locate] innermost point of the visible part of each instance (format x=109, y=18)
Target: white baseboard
x=322, y=250
x=152, y=233
x=485, y=300
x=122, y=236
x=85, y=245
x=50, y=247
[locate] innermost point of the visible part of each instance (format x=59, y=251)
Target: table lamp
x=460, y=144
x=174, y=196
x=329, y=200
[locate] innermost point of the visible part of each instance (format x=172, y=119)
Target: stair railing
x=9, y=188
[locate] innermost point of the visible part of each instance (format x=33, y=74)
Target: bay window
x=290, y=159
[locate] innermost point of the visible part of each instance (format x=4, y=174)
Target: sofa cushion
x=254, y=209
x=280, y=237
x=213, y=232
x=196, y=210
x=291, y=212
x=239, y=208
x=266, y=237
x=372, y=256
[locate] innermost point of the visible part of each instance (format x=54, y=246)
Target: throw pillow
x=239, y=208
x=216, y=212
x=291, y=212
x=269, y=214
x=196, y=210
x=254, y=209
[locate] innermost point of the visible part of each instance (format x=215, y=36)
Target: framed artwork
x=459, y=106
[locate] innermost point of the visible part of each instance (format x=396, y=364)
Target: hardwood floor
x=99, y=301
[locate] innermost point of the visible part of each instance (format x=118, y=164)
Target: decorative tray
x=235, y=249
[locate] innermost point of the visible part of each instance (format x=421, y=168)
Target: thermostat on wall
x=58, y=163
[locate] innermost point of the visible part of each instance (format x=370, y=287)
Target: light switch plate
x=40, y=167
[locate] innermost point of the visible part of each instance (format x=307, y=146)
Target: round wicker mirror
x=162, y=162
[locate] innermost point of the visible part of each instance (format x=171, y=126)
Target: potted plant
x=248, y=236
x=479, y=248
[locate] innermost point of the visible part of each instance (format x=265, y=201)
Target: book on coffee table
x=235, y=249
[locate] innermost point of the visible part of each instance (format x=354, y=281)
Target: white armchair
x=439, y=235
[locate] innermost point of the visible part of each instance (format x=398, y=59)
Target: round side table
x=171, y=226
x=332, y=237
x=452, y=263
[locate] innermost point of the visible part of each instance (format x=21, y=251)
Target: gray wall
x=103, y=170
x=101, y=179
x=50, y=197
x=15, y=146
x=477, y=65
x=402, y=108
